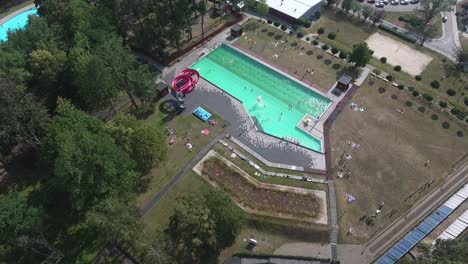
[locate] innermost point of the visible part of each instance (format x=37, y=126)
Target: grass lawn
x=11, y=6
x=178, y=155
x=392, y=17
x=390, y=166
x=296, y=59
x=271, y=233
x=351, y=31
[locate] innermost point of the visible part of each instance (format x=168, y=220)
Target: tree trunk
x=202, y=25
x=130, y=96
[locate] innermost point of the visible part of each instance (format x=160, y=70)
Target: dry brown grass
x=260, y=198
x=389, y=166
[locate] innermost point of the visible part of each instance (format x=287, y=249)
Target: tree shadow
x=394, y=96
x=337, y=66
x=381, y=90
x=294, y=44
x=422, y=109
x=309, y=52
x=445, y=125
x=434, y=117
x=278, y=37
x=409, y=103
x=327, y=62
x=319, y=57
x=264, y=30
x=271, y=34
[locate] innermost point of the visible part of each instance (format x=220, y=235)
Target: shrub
x=320, y=30
x=343, y=55
x=465, y=101
x=332, y=35
x=451, y=92
x=400, y=18
x=276, y=24
x=442, y=104
x=401, y=86
x=397, y=68
x=458, y=113
x=371, y=52
x=325, y=47
x=435, y=84
x=427, y=97
x=383, y=60
x=295, y=27
x=269, y=21
x=415, y=93
x=300, y=34
x=334, y=50
x=377, y=71
x=389, y=78
x=315, y=42
x=307, y=24
x=307, y=38
x=284, y=27
x=418, y=77
x=301, y=22
x=411, y=88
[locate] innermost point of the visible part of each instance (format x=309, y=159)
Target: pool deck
x=271, y=150
x=19, y=11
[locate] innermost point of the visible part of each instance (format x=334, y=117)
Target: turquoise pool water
x=275, y=102
x=16, y=22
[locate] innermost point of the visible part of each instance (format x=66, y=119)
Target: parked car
x=404, y=2
x=370, y=1
x=379, y=4
x=444, y=19
x=414, y=1
x=385, y=2
x=394, y=2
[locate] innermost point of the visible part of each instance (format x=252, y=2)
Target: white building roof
x=293, y=8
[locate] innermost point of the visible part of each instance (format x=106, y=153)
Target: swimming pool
x=16, y=22
x=275, y=102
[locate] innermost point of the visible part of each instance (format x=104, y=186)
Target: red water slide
x=185, y=81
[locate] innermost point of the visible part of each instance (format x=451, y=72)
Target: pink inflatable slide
x=185, y=81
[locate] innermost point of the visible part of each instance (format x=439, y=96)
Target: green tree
x=360, y=55
x=428, y=10
x=192, y=230
x=262, y=8
x=115, y=220
x=86, y=164
x=367, y=12
x=202, y=8
x=227, y=216
x=47, y=68
x=17, y=219
x=347, y=5
x=202, y=226
x=144, y=144
x=23, y=120
x=356, y=8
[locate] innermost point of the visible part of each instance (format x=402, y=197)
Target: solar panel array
x=424, y=228
x=455, y=229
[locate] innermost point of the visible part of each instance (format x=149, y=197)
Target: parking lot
x=391, y=7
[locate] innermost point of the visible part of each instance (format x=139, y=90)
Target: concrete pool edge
x=17, y=12
x=316, y=134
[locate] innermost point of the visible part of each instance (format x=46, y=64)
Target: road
x=403, y=225
x=449, y=44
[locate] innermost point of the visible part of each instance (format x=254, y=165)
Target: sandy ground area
x=351, y=254
x=305, y=250
x=397, y=53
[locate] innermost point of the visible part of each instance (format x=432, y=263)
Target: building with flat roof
x=292, y=10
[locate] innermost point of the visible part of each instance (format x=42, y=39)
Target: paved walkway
x=403, y=225
x=173, y=181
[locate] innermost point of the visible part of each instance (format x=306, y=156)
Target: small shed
x=237, y=30
x=344, y=82
x=162, y=88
